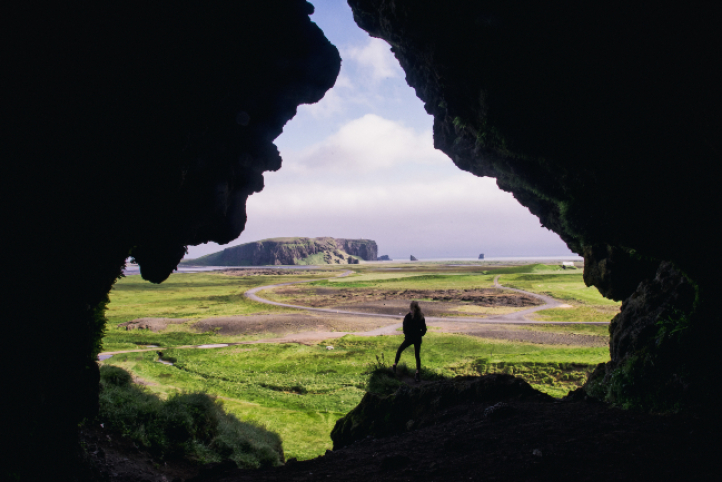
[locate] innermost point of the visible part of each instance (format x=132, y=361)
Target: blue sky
x=361, y=164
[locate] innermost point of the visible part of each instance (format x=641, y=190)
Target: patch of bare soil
x=512, y=333
x=116, y=459
x=274, y=272
x=401, y=307
x=318, y=297
x=288, y=323
x=152, y=324
x=519, y=441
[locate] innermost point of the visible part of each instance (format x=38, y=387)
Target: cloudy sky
x=361, y=164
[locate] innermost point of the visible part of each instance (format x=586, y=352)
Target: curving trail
x=518, y=317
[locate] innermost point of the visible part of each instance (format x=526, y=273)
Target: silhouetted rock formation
x=411, y=408
x=385, y=257
x=481, y=256
x=132, y=131
x=601, y=118
x=412, y=258
x=286, y=251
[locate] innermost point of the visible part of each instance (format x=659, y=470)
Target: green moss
x=651, y=378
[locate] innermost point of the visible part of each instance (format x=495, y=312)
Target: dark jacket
x=414, y=329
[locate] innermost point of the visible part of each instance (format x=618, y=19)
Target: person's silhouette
x=414, y=329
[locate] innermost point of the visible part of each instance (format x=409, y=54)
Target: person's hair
x=416, y=310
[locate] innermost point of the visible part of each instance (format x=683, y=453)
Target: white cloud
x=457, y=195
x=375, y=58
x=368, y=144
x=378, y=179
x=343, y=81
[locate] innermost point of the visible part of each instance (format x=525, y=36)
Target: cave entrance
x=91, y=105
x=360, y=164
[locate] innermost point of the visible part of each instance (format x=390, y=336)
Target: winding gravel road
x=518, y=317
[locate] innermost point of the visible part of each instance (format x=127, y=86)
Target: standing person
x=414, y=329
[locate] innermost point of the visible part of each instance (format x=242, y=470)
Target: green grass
x=314, y=259
x=411, y=281
x=184, y=295
x=577, y=313
x=567, y=285
x=587, y=304
x=190, y=295
x=419, y=280
x=121, y=340
x=300, y=391
x=189, y=425
x=576, y=329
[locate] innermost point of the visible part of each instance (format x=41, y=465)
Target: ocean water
x=508, y=259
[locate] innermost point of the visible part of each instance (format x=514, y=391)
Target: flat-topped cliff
x=288, y=251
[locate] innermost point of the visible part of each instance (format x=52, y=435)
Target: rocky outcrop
x=647, y=341
x=289, y=251
x=384, y=257
x=365, y=249
x=412, y=258
x=598, y=117
x=411, y=408
x=134, y=131
x=481, y=256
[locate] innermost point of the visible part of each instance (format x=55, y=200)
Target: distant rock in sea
x=481, y=256
x=413, y=258
x=290, y=251
x=385, y=257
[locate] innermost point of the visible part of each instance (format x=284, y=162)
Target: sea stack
x=481, y=256
x=413, y=258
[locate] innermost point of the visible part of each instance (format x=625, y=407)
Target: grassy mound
x=190, y=425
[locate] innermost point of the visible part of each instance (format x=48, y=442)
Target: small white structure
x=329, y=347
x=568, y=264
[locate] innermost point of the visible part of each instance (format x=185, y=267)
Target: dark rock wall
x=127, y=130
x=287, y=251
x=653, y=360
x=601, y=118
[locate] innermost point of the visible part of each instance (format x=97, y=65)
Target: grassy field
x=407, y=281
x=191, y=296
x=587, y=304
x=300, y=391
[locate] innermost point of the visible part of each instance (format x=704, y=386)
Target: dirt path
x=518, y=317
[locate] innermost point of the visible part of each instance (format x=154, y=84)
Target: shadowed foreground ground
x=581, y=441
x=535, y=441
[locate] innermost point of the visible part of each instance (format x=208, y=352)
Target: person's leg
x=417, y=354
x=404, y=345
